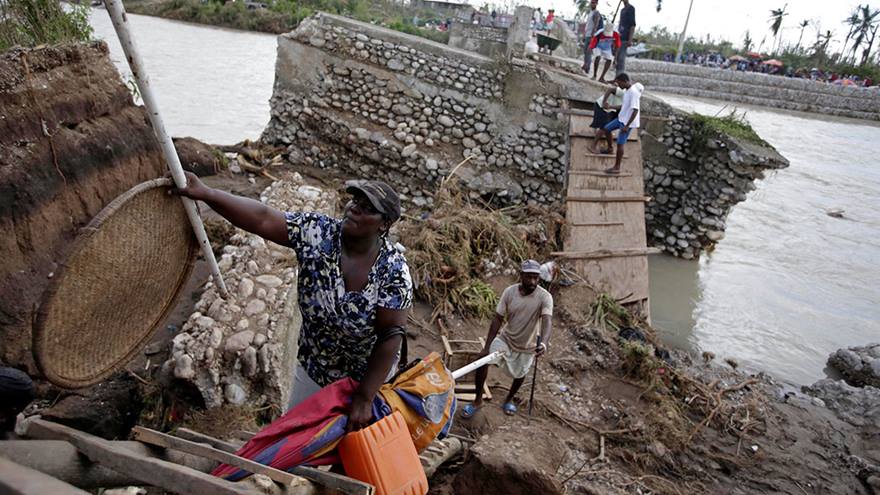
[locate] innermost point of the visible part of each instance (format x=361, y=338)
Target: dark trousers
x=620, y=64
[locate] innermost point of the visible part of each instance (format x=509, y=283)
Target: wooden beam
x=169, y=476
x=595, y=224
x=599, y=173
x=606, y=198
x=159, y=439
x=16, y=479
x=600, y=155
x=605, y=253
x=194, y=436
x=633, y=136
x=335, y=481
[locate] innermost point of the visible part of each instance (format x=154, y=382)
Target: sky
x=729, y=19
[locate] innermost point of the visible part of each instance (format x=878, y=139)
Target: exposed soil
x=71, y=140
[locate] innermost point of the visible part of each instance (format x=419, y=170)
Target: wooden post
x=16, y=479
x=159, y=439
x=154, y=472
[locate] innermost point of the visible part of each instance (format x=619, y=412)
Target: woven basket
x=120, y=281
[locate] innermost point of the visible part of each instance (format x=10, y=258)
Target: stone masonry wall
x=241, y=350
x=381, y=104
x=694, y=182
x=485, y=40
x=375, y=103
x=757, y=89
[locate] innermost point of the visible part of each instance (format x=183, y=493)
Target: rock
x=408, y=150
x=317, y=41
x=530, y=126
x=498, y=462
x=270, y=281
x=715, y=235
x=431, y=164
x=249, y=362
x=468, y=143
x=860, y=366
x=677, y=220
x=857, y=406
x=395, y=64
x=183, y=367
x=446, y=121
x=255, y=306
x=551, y=154
x=108, y=409
x=234, y=394
x=239, y=341
x=401, y=109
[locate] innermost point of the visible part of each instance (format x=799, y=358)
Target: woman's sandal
x=509, y=408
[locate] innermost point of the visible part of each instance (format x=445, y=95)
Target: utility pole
x=683, y=33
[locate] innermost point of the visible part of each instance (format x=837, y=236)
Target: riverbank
x=282, y=16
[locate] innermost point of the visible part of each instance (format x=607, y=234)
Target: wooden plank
x=589, y=238
x=446, y=345
x=595, y=224
x=605, y=253
x=599, y=173
x=159, y=439
x=155, y=472
x=621, y=277
x=591, y=134
x=602, y=155
x=604, y=198
x=338, y=482
x=16, y=479
x=194, y=436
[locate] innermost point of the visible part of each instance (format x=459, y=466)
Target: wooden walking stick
x=120, y=24
x=534, y=379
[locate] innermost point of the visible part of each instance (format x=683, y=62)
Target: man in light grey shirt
x=594, y=24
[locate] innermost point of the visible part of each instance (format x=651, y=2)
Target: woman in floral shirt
x=354, y=287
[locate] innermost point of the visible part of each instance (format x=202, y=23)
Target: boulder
x=860, y=366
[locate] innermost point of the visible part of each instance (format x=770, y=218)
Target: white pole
x=683, y=33
x=476, y=364
x=120, y=23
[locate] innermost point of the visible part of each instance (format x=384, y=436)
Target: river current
x=786, y=286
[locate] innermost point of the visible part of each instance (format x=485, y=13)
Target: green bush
x=38, y=22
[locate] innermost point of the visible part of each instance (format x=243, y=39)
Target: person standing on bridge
x=594, y=24
x=528, y=309
x=627, y=120
x=627, y=29
x=604, y=44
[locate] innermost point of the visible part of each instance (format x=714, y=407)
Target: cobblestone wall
x=242, y=350
x=757, y=89
x=382, y=104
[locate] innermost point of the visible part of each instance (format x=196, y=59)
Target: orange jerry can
x=383, y=455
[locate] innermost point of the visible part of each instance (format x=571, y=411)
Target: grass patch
x=732, y=124
x=30, y=23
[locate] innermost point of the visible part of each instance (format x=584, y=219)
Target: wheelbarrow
x=547, y=44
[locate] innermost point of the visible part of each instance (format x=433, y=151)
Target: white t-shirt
x=631, y=101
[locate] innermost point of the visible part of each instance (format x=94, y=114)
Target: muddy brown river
x=787, y=286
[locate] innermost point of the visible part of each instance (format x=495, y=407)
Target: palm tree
x=867, y=51
x=776, y=16
x=852, y=21
x=747, y=42
x=865, y=30
x=803, y=26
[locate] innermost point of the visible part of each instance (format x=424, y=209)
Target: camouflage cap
x=382, y=196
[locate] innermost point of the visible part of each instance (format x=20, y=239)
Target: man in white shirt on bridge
x=627, y=120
